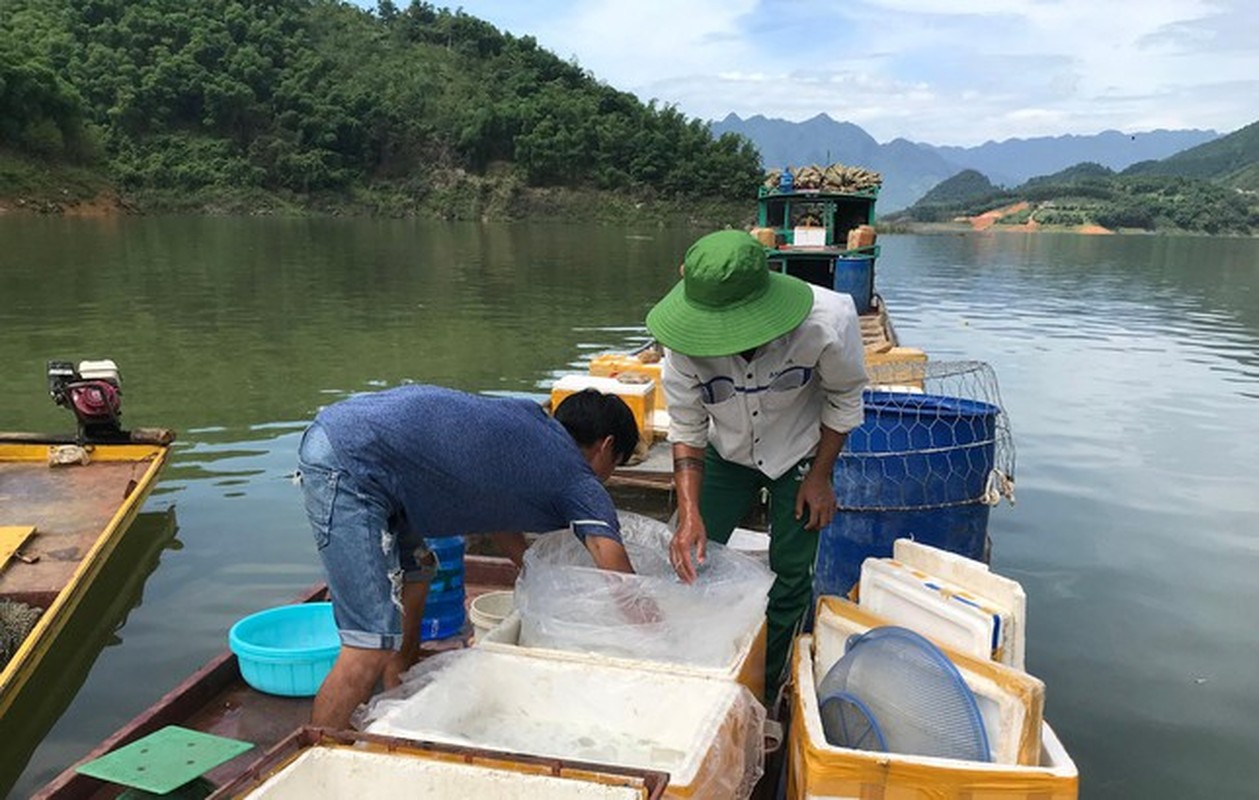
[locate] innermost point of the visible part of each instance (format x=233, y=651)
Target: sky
x=944, y=73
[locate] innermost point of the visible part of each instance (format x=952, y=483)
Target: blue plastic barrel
x=444, y=611
x=785, y=182
x=854, y=275
x=916, y=468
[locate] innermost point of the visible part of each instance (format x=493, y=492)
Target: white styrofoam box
x=335, y=772
x=747, y=668
x=1010, y=702
x=706, y=734
x=809, y=237
x=751, y=543
x=823, y=771
x=974, y=577
x=935, y=608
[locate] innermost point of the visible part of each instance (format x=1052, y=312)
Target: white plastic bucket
x=489, y=609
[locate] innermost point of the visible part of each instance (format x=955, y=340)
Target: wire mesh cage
x=936, y=435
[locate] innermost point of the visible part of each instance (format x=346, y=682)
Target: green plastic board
x=164, y=760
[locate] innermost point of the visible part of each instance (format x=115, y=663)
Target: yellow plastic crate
x=640, y=397
x=611, y=365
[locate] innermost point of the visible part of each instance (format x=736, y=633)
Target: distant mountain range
x=911, y=169
x=1212, y=188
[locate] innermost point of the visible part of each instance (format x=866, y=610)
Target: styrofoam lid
x=575, y=383
x=748, y=541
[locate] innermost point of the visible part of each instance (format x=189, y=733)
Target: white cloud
x=928, y=70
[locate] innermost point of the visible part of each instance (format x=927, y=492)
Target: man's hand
x=690, y=536
x=637, y=607
x=817, y=494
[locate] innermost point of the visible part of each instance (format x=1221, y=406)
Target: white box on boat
x=747, y=668
x=369, y=769
x=808, y=236
x=706, y=734
x=939, y=609
x=640, y=397
x=751, y=543
x=1010, y=701
x=818, y=770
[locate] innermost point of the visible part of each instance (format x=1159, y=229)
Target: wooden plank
x=12, y=537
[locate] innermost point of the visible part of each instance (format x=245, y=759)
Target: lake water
x=1129, y=367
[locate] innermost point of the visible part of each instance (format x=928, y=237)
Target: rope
x=999, y=485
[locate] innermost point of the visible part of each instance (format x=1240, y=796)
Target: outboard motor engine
x=93, y=392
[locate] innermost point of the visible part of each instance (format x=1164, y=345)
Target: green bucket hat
x=728, y=301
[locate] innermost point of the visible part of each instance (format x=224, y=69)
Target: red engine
x=93, y=391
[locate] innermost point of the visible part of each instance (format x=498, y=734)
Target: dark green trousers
x=728, y=492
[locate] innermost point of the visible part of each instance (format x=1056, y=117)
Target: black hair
x=590, y=415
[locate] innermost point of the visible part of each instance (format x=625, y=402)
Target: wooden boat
x=65, y=510
x=215, y=699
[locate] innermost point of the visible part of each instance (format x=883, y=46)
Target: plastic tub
x=488, y=610
x=286, y=650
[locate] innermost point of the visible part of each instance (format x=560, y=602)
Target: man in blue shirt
x=381, y=472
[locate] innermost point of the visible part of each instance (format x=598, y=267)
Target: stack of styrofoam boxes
x=974, y=616
x=952, y=600
x=639, y=396
x=614, y=365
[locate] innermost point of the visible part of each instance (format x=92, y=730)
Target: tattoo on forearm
x=688, y=463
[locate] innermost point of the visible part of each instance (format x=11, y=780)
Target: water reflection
x=115, y=593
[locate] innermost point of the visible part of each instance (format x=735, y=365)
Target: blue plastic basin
x=286, y=650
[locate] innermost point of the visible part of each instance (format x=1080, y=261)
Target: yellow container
x=640, y=397
x=612, y=365
x=818, y=770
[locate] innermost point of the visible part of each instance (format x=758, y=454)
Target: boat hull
x=80, y=567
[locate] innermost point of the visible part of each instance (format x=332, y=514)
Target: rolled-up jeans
x=367, y=549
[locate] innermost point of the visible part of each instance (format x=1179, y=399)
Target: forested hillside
x=1211, y=188
x=412, y=108
x=1232, y=160
x=1086, y=195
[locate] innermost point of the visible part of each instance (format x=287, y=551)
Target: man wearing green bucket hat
x=763, y=376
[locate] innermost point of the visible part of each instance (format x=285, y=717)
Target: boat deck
x=68, y=506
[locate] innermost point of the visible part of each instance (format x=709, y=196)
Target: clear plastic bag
x=567, y=604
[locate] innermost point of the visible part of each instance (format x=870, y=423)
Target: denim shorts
x=368, y=550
